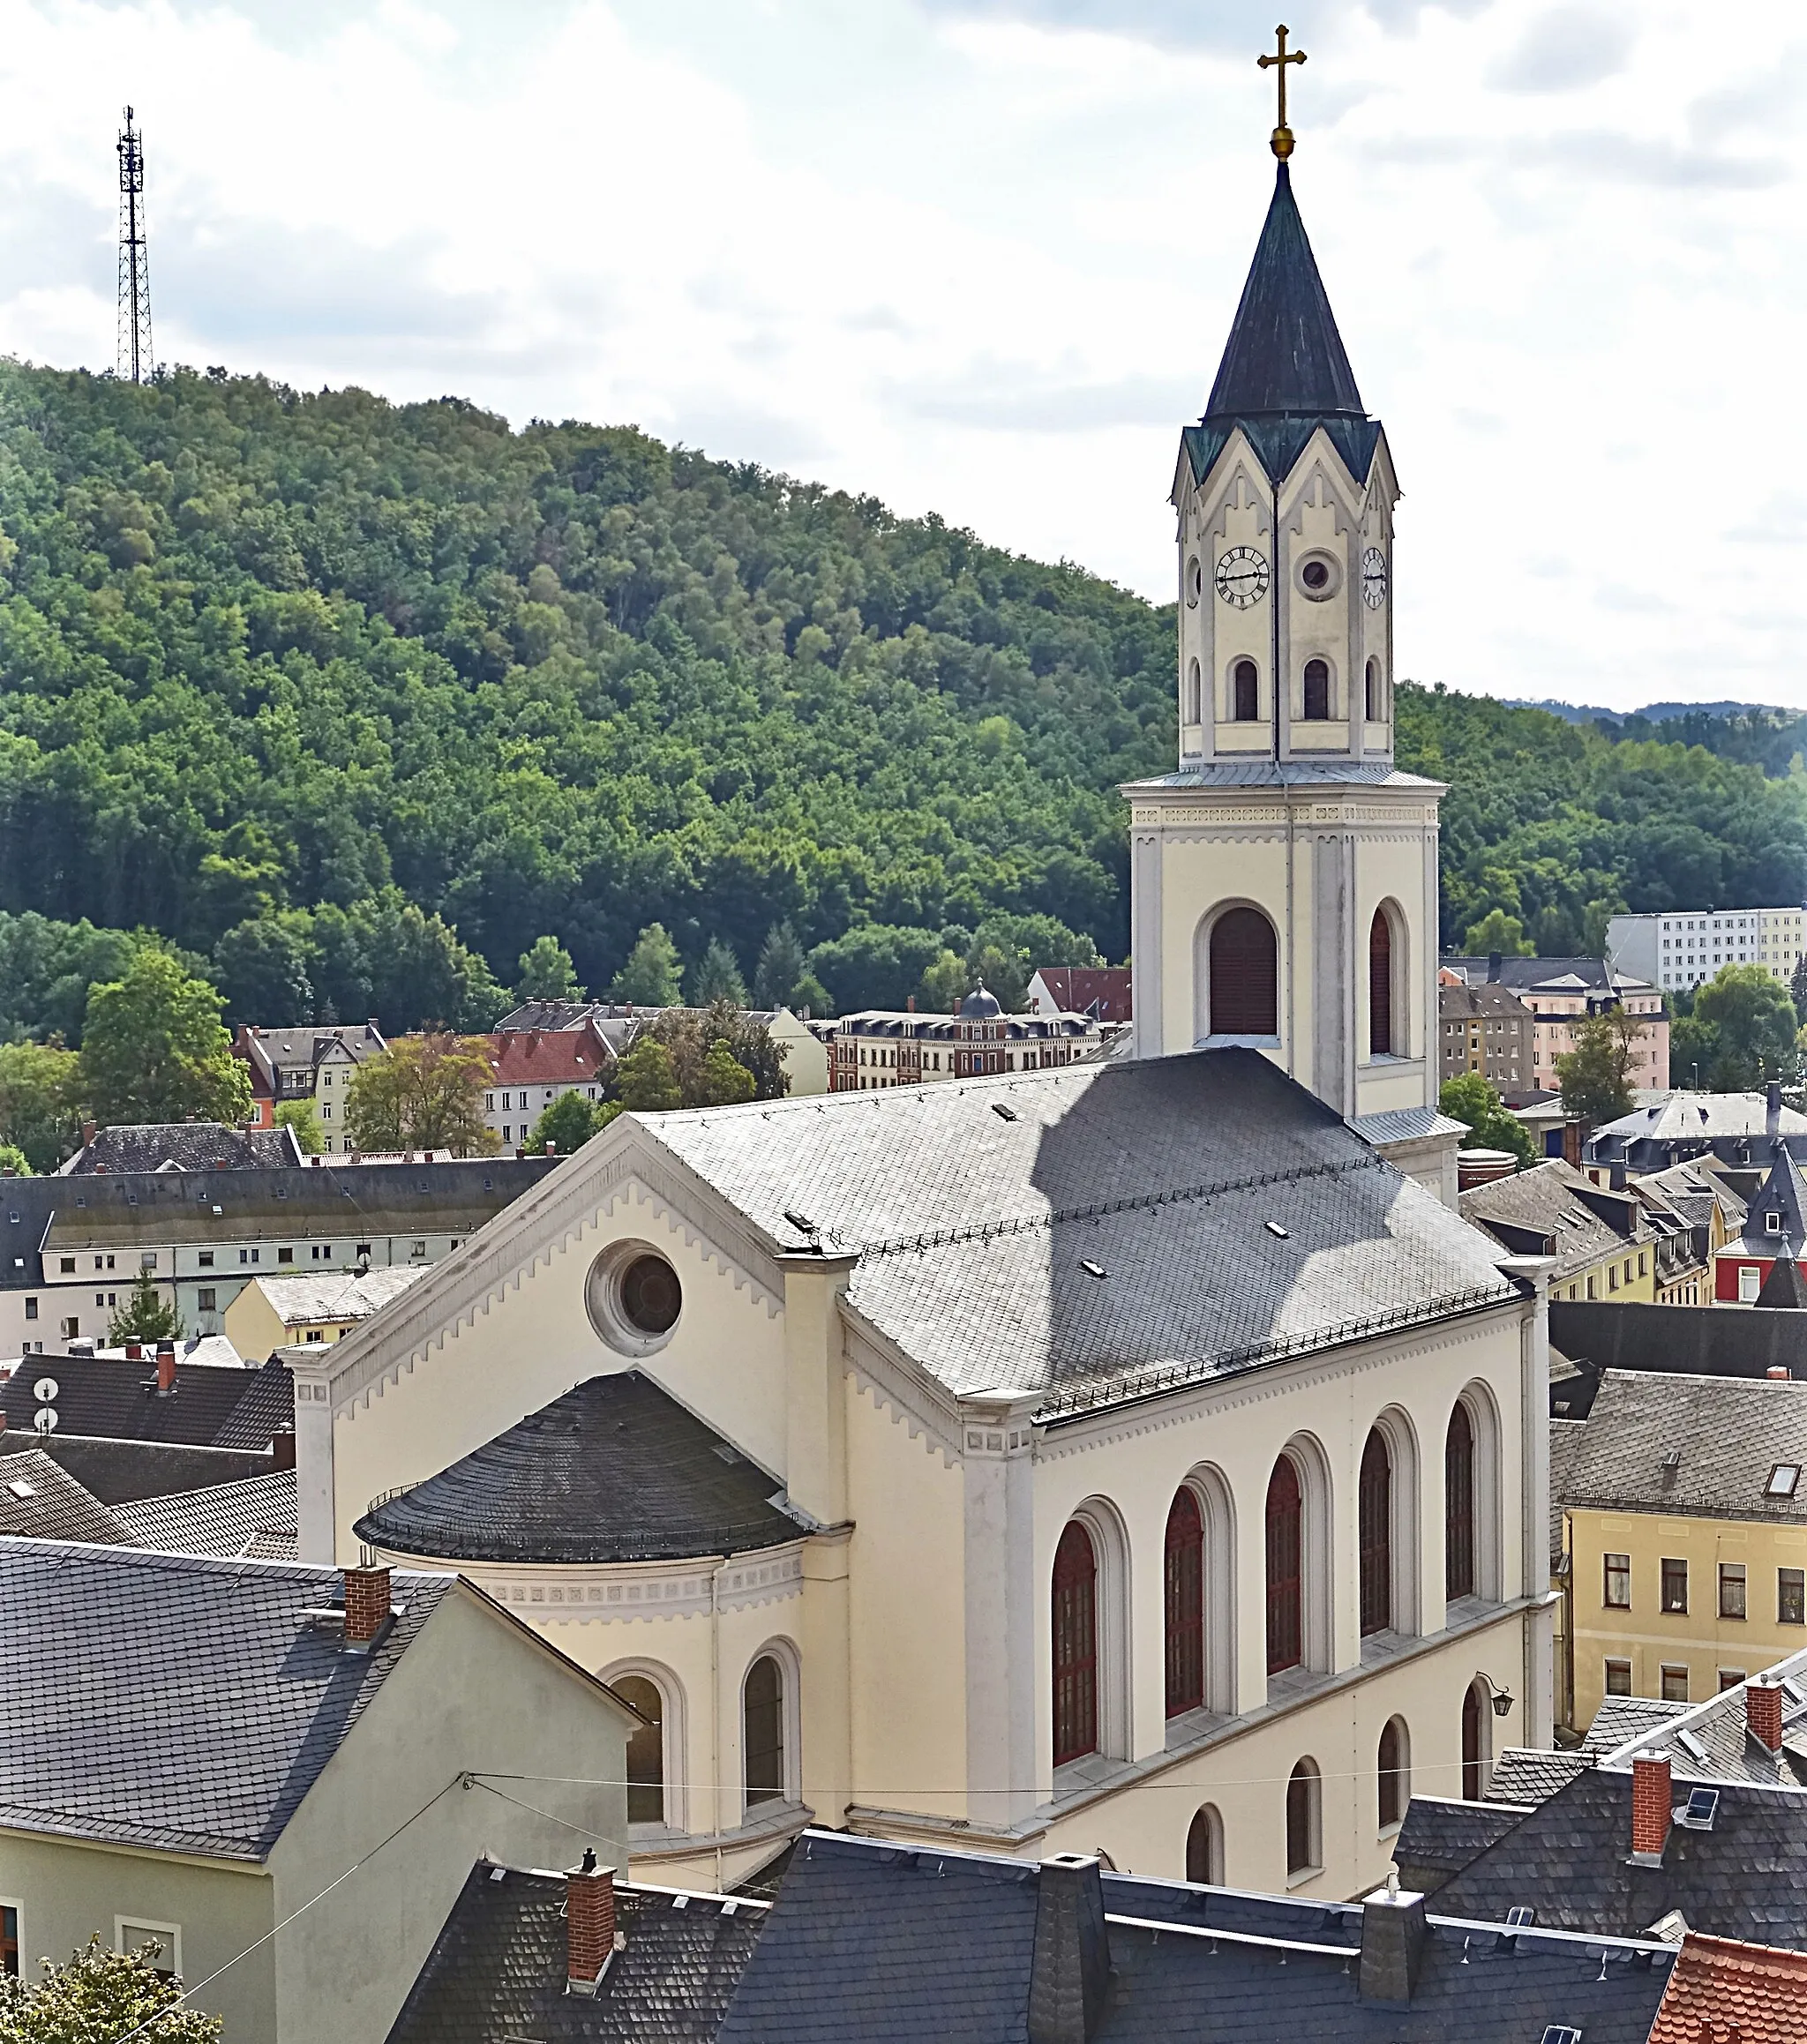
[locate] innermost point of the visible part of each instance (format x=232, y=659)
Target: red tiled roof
x=1721, y=1989
x=1076, y=987
x=548, y=1058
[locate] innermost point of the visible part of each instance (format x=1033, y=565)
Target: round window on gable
x=634, y=1297
x=1319, y=576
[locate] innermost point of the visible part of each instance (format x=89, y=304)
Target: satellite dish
x=46, y=1419
x=45, y=1389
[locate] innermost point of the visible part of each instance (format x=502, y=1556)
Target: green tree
x=809, y=997
x=783, y=967
x=303, y=1118
x=650, y=978
x=689, y=1035
x=645, y=1080
x=722, y=1082
x=568, y=1125
x=1469, y=1100
x=875, y=964
x=144, y=1317
x=101, y=1997
x=1496, y=931
x=1754, y=1026
x=155, y=1048
x=718, y=978
x=423, y=1092
x=1595, y=1076
x=548, y=972
x=40, y=1102
x=14, y=1160
x=945, y=985
x=1797, y=987
x=263, y=968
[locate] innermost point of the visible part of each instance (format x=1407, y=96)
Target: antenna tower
x=135, y=358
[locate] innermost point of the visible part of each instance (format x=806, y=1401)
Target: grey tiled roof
x=105, y=1398
x=1405, y=1125
x=118, y=1471
x=177, y=1702
x=1442, y=1834
x=1571, y=1859
x=1551, y=1200
x=1699, y=1117
x=1728, y=1432
x=42, y=1500
x=1267, y=773
x=1524, y=1774
x=1228, y=1215
x=228, y=1518
x=347, y=1295
x=615, y=1470
x=183, y=1146
x=1620, y=1719
x=1565, y=1438
x=497, y=1968
x=1711, y=1740
x=1707, y=1341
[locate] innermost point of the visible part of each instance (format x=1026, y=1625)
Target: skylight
x=21, y=1488
x=1092, y=1269
x=1782, y=1479
x=1274, y=1228
x=1560, y=2033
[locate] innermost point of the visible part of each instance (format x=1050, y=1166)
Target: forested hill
x=274, y=668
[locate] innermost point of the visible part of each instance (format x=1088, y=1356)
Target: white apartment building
x=1689, y=946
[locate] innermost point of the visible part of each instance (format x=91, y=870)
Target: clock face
x=1374, y=577
x=1241, y=576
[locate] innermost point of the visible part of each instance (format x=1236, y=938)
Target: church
x=1139, y=1456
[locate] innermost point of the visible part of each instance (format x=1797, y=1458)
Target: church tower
x=1284, y=877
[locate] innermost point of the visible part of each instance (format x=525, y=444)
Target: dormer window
x=1771, y=1224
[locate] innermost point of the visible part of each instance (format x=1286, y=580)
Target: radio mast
x=135, y=358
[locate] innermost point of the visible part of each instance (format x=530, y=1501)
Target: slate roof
x=1570, y=1858
x=1702, y=1341
x=228, y=1518
x=1442, y=1834
x=1784, y=1285
x=177, y=1703
x=1728, y=1432
x=1711, y=1741
x=309, y=1296
x=119, y=1471
x=166, y=1146
x=1554, y=1209
x=40, y=1500
x=1622, y=1718
x=1524, y=975
x=1721, y=1987
x=1694, y=1192
x=497, y=1970
x=1526, y=1775
x=1700, y=1117
x=1565, y=1438
x=107, y=1397
x=1229, y=1219
x=615, y=1470
x=1270, y=772
x=1783, y=1192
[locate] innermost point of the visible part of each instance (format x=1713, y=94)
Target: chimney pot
x=166, y=1368
x=1393, y=1932
x=1651, y=1798
x=551, y=1149
x=1778, y=1373
x=1070, y=1969
x=134, y=1351
x=1763, y=1712
x=366, y=1605
x=589, y=1922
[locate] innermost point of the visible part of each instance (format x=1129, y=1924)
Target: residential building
x=1484, y=1030
x=1686, y=1537
x=1713, y=1341
x=313, y=1305
x=1560, y=993
x=1602, y=1242
x=337, y=1779
x=531, y=1068
x=899, y=1945
x=1727, y=1132
x=1760, y=1266
x=40, y=1500
x=73, y=1247
x=1101, y=991
x=156, y=1146
x=152, y=1396
x=620, y=1023
x=251, y=1518
x=313, y=1062
x=1680, y=949
x=880, y=1047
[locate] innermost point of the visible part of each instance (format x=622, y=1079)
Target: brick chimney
x=1763, y=1712
x=134, y=1351
x=88, y=1133
x=366, y=1605
x=1652, y=1799
x=1778, y=1373
x=1393, y=1931
x=1069, y=1971
x=589, y=1923
x=1773, y=1107
x=282, y=1449
x=166, y=1368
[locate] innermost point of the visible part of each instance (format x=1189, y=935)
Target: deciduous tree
x=155, y=1050
x=1469, y=1100
x=303, y=1118
x=566, y=1125
x=101, y=1997
x=1752, y=1027
x=423, y=1092
x=645, y=1080
x=40, y=1102
x=1596, y=1076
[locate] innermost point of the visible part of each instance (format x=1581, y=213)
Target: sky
x=979, y=258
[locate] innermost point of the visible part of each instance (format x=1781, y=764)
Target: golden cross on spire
x=1281, y=142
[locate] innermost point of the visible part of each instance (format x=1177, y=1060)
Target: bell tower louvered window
x=1459, y=1506
x=1244, y=975
x=1245, y=681
x=1317, y=691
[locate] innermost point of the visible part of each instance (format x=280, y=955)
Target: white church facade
x=1127, y=1457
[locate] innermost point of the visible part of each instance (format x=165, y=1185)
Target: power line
x=135, y=358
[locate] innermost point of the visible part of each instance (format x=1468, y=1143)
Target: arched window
x=1205, y=1847
x=1374, y=1517
x=1474, y=1709
x=1317, y=691
x=1194, y=707
x=1245, y=680
x=1245, y=973
x=1285, y=1527
x=1380, y=985
x=762, y=1731
x=646, y=1749
x=1458, y=1505
x=1395, y=1786
x=1184, y=1595
x=1076, y=1645
x=1375, y=709
x=1304, y=1819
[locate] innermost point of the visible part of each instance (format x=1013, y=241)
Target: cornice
x=898, y=1387
x=593, y=1592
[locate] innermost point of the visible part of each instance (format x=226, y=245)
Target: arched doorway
x=1285, y=1529
x=1375, y=1518
x=1183, y=1596
x=1458, y=1505
x=1380, y=985
x=1075, y=1644
x=1244, y=970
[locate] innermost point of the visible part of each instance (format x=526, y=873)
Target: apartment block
x=1689, y=946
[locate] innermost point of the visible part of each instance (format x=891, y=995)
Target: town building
x=314, y=1063
x=1684, y=949
x=1560, y=993
x=880, y=1047
x=1761, y=1266
x=363, y=1714
x=1484, y=1030
x=619, y=1024
x=313, y=1305
x=1728, y=1132
x=531, y=1068
x=1602, y=1243
x=252, y=1518
x=154, y=1146
x=1103, y=992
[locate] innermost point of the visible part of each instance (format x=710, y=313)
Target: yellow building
x=1604, y=1242
x=1683, y=1518
x=274, y=1313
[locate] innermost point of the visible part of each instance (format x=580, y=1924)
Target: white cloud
x=979, y=257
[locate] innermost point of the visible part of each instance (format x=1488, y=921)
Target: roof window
x=21, y=1488
x=1560, y=2033
x=1782, y=1479
x=1092, y=1269
x=1274, y=1228
x=1701, y=1807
